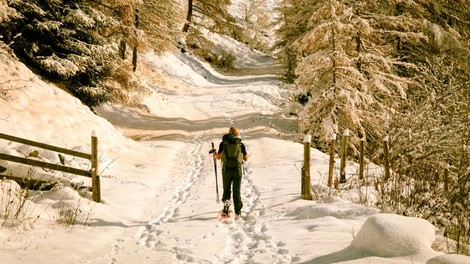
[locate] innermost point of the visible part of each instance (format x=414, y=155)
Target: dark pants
x=229, y=176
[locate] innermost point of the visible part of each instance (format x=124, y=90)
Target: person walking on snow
x=232, y=152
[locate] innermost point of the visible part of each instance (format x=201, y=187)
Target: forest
x=395, y=69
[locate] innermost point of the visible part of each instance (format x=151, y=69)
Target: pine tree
x=292, y=24
x=160, y=21
x=347, y=72
x=148, y=25
x=64, y=41
x=210, y=14
x=82, y=44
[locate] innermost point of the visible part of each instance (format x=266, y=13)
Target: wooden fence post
x=95, y=178
x=332, y=160
x=344, y=144
x=306, y=192
x=361, y=158
x=386, y=162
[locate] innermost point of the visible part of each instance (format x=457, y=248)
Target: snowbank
x=389, y=238
x=389, y=235
x=449, y=259
x=332, y=206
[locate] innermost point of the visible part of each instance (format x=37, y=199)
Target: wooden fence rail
x=93, y=157
x=343, y=153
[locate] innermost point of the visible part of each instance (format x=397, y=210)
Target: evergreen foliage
x=75, y=43
x=161, y=20
x=64, y=40
x=210, y=14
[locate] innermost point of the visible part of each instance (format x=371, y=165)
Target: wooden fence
x=93, y=157
x=305, y=174
x=305, y=180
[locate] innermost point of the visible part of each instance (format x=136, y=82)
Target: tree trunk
x=189, y=16
x=122, y=49
x=134, y=59
x=334, y=47
x=134, y=52
x=358, y=49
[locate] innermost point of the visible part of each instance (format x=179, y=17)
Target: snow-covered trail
x=158, y=191
x=179, y=223
x=210, y=102
x=183, y=225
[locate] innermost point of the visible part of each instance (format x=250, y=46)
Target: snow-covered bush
x=430, y=151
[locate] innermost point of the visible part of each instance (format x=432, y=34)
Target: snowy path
x=279, y=226
x=183, y=227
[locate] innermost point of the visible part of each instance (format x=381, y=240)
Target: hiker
x=232, y=152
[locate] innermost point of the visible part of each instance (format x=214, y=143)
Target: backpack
x=232, y=156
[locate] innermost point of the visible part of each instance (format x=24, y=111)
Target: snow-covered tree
x=395, y=67
x=211, y=14
x=293, y=22
x=160, y=20
x=64, y=40
x=431, y=139
x=348, y=70
x=82, y=44
x=147, y=25
x=255, y=24
x=356, y=61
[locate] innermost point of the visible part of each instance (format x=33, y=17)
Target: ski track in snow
x=248, y=240
x=194, y=161
x=149, y=236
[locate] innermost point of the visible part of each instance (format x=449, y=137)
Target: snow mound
x=10, y=194
x=389, y=235
x=449, y=259
x=342, y=209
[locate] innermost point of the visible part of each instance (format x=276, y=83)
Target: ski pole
x=215, y=168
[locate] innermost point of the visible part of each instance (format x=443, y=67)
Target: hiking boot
x=238, y=217
x=226, y=208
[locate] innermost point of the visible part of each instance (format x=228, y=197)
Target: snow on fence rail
x=93, y=157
